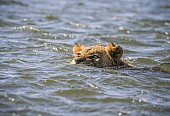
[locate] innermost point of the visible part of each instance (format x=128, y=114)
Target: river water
x=36, y=40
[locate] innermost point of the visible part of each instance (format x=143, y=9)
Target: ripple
x=29, y=28
x=152, y=22
x=51, y=17
x=76, y=93
x=12, y=2
x=165, y=59
x=36, y=46
x=112, y=100
x=147, y=61
x=49, y=82
x=165, y=67
x=75, y=24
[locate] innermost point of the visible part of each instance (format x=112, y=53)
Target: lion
x=98, y=55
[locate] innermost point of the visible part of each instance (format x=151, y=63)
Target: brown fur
x=98, y=55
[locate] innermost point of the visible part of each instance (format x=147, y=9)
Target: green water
x=36, y=40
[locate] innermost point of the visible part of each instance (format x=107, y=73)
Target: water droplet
x=14, y=27
x=166, y=23
x=39, y=114
x=14, y=114
x=92, y=85
x=121, y=28
x=23, y=27
x=128, y=31
x=55, y=49
x=120, y=114
x=166, y=33
x=25, y=20
x=11, y=99
x=64, y=35
x=6, y=95
x=45, y=34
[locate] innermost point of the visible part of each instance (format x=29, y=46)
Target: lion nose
x=78, y=60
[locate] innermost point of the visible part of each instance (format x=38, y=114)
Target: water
x=37, y=37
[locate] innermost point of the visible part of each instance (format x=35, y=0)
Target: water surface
x=37, y=37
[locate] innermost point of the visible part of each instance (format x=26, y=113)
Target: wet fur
x=98, y=55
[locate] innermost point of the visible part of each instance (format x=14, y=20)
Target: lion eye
x=117, y=51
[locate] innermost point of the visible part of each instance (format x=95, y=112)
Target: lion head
x=114, y=52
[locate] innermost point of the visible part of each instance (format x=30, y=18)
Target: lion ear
x=111, y=44
x=77, y=48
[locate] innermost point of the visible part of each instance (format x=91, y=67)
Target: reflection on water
x=36, y=46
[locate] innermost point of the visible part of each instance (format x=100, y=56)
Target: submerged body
x=98, y=55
